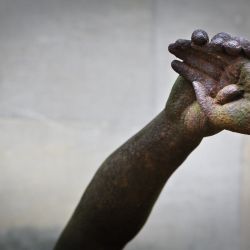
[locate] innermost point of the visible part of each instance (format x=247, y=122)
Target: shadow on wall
x=28, y=239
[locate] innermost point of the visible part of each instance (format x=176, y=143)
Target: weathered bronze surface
x=220, y=73
x=120, y=197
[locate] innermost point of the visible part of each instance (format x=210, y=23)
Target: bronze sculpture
x=221, y=80
x=119, y=198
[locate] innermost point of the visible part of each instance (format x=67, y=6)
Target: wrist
x=183, y=131
x=195, y=121
x=169, y=139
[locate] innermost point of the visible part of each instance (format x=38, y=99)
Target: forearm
x=121, y=195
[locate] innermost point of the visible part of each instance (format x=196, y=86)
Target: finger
x=197, y=59
x=192, y=74
x=180, y=44
x=183, y=49
x=232, y=47
x=199, y=37
x=216, y=46
x=206, y=102
x=242, y=41
x=218, y=40
x=223, y=35
x=228, y=94
x=245, y=44
x=186, y=71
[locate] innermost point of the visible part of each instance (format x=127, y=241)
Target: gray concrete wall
x=77, y=78
x=245, y=196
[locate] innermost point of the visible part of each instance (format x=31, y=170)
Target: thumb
x=200, y=91
x=206, y=102
x=228, y=94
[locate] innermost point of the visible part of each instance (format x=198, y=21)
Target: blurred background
x=77, y=79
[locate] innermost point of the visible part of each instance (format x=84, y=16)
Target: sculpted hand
x=193, y=118
x=220, y=72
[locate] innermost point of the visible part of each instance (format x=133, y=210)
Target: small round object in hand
x=199, y=37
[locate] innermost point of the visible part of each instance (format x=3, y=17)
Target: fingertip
x=171, y=47
x=200, y=37
x=196, y=85
x=232, y=47
x=242, y=41
x=222, y=35
x=229, y=93
x=183, y=44
x=180, y=44
x=218, y=40
x=184, y=70
x=175, y=64
x=217, y=44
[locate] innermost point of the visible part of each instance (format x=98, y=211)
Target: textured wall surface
x=245, y=197
x=78, y=78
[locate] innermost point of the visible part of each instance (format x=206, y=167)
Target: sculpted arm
x=120, y=197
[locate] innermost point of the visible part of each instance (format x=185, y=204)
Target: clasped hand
x=220, y=73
